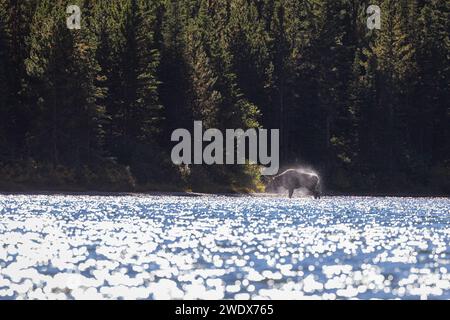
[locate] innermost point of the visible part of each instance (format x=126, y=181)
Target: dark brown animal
x=295, y=179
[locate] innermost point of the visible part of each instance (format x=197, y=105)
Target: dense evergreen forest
x=94, y=109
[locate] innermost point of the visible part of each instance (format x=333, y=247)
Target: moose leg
x=317, y=192
x=291, y=192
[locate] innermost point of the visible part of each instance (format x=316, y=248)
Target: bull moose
x=295, y=179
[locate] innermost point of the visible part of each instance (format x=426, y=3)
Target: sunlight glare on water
x=214, y=247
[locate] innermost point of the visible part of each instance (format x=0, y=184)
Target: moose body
x=295, y=179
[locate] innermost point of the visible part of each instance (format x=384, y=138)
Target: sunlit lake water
x=214, y=247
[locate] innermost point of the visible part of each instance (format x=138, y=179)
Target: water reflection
x=145, y=247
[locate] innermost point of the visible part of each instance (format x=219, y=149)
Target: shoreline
x=201, y=194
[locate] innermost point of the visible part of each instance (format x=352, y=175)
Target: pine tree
x=395, y=61
x=64, y=88
x=15, y=112
x=130, y=59
x=432, y=91
x=206, y=99
x=4, y=85
x=173, y=70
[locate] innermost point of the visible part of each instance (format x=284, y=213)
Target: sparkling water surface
x=214, y=247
